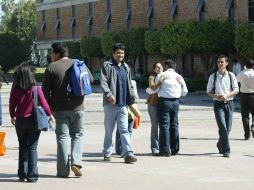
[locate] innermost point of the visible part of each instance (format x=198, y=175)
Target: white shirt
x=246, y=79
x=170, y=87
x=222, y=84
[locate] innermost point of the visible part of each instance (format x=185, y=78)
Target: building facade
x=66, y=20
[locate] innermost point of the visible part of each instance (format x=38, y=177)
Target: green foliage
x=244, y=40
x=12, y=51
x=91, y=47
x=19, y=18
x=152, y=42
x=133, y=40
x=195, y=84
x=177, y=38
x=214, y=36
x=74, y=49
x=108, y=39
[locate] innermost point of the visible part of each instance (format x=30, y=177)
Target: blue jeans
x=168, y=121
x=119, y=114
x=153, y=113
x=69, y=130
x=1, y=114
x=223, y=115
x=118, y=145
x=28, y=136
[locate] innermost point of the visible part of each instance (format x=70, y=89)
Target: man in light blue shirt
x=222, y=87
x=172, y=87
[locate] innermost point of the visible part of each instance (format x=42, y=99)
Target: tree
x=213, y=37
x=244, y=40
x=91, y=47
x=11, y=50
x=20, y=19
x=152, y=42
x=108, y=39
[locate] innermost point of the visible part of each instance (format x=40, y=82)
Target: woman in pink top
x=21, y=112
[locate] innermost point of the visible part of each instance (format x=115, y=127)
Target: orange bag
x=2, y=144
x=136, y=122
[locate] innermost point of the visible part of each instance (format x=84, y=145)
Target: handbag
x=137, y=114
x=2, y=143
x=40, y=117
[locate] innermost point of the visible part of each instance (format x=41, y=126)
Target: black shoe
x=247, y=136
x=107, y=158
x=164, y=154
x=156, y=154
x=219, y=148
x=32, y=180
x=130, y=159
x=22, y=180
x=226, y=155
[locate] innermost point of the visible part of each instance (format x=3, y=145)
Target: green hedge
x=196, y=84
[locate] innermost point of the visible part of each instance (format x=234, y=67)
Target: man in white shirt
x=172, y=87
x=246, y=80
x=222, y=87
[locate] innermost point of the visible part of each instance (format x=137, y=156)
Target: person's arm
x=104, y=85
x=235, y=87
x=12, y=106
x=46, y=85
x=181, y=81
x=154, y=84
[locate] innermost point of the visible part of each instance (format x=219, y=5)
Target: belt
x=170, y=99
x=224, y=102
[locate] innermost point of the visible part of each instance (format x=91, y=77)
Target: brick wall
x=50, y=18
x=81, y=20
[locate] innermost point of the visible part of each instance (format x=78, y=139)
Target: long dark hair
x=24, y=76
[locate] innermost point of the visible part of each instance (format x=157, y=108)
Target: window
x=127, y=15
x=149, y=14
x=90, y=18
x=173, y=10
x=108, y=16
x=231, y=10
x=43, y=25
x=201, y=10
x=73, y=21
x=57, y=25
x=251, y=10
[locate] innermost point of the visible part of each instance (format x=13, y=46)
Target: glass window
x=251, y=10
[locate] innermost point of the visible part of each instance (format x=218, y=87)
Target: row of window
x=127, y=17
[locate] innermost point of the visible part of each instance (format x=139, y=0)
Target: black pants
x=247, y=107
x=28, y=137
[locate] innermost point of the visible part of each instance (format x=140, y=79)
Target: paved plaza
x=198, y=166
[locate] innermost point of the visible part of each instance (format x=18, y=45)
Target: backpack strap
x=35, y=96
x=230, y=78
x=214, y=80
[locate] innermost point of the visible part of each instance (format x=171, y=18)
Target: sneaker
x=164, y=154
x=32, y=180
x=107, y=158
x=76, y=170
x=130, y=159
x=252, y=131
x=226, y=155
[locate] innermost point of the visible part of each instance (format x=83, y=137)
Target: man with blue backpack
x=118, y=94
x=66, y=81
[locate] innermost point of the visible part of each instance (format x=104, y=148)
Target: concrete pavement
x=198, y=166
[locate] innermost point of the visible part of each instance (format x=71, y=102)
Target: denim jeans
x=118, y=145
x=69, y=134
x=168, y=122
x=1, y=114
x=223, y=115
x=153, y=113
x=119, y=114
x=28, y=136
x=247, y=107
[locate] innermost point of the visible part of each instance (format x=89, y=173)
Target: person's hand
x=13, y=120
x=111, y=100
x=52, y=118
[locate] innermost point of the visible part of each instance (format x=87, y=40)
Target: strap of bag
x=35, y=96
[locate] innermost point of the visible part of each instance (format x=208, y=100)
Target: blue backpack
x=79, y=83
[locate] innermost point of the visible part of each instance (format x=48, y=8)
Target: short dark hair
x=60, y=48
x=223, y=56
x=118, y=46
x=249, y=63
x=24, y=76
x=170, y=63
